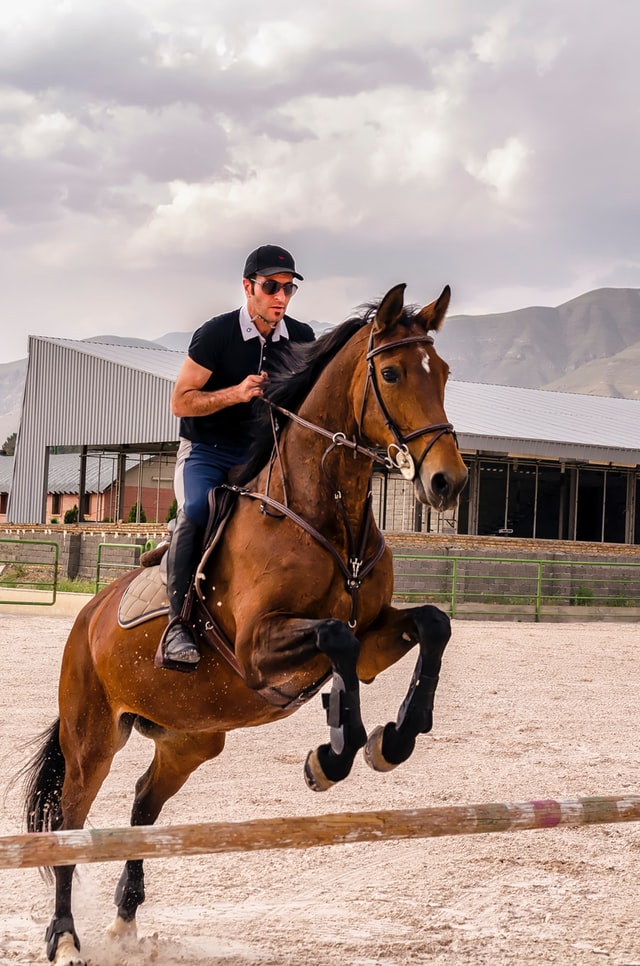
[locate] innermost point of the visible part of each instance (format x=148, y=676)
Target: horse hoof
x=123, y=931
x=67, y=953
x=372, y=751
x=314, y=776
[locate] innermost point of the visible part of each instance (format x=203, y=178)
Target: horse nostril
x=440, y=484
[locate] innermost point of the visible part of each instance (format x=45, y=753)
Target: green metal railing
x=466, y=586
x=509, y=585
x=114, y=567
x=24, y=569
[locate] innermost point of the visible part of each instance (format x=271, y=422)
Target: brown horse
x=300, y=582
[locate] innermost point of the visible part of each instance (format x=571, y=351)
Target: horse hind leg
x=389, y=745
x=330, y=763
x=44, y=778
x=63, y=780
x=176, y=757
x=90, y=734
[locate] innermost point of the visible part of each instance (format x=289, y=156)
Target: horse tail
x=43, y=779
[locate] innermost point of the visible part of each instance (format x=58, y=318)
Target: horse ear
x=433, y=315
x=390, y=308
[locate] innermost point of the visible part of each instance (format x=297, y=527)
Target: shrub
x=71, y=516
x=583, y=597
x=137, y=516
x=172, y=512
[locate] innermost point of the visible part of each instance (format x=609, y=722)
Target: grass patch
x=76, y=586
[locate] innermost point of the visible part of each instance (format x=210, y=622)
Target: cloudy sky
x=147, y=145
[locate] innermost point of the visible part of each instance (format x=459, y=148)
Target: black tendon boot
x=178, y=648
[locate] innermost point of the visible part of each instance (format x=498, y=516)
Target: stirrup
x=162, y=661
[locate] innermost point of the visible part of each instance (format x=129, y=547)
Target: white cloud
x=41, y=137
x=502, y=167
x=513, y=35
x=494, y=45
x=149, y=142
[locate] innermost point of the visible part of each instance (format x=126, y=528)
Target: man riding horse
x=225, y=370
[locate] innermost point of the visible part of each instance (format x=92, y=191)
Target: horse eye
x=389, y=374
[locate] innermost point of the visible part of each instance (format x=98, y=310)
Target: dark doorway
x=590, y=504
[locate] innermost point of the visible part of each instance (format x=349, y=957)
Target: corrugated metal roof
x=158, y=362
x=501, y=417
x=64, y=472
x=6, y=469
x=101, y=471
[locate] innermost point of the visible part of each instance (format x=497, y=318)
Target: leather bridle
x=398, y=455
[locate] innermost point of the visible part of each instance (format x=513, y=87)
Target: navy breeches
x=199, y=468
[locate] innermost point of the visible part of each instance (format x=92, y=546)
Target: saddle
x=146, y=596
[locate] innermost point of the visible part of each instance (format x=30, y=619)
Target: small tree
x=137, y=515
x=71, y=516
x=172, y=512
x=9, y=445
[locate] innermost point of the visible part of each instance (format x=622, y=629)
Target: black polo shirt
x=218, y=345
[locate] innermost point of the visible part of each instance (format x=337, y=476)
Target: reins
x=397, y=457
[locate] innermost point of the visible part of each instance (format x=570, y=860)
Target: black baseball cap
x=270, y=260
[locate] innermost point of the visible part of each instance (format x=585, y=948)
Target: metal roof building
x=100, y=396
x=88, y=394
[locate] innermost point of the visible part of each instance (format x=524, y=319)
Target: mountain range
x=590, y=344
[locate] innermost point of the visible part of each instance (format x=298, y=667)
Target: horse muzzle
x=440, y=489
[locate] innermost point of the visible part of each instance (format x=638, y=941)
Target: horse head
x=403, y=398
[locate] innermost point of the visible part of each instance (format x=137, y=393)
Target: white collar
x=249, y=330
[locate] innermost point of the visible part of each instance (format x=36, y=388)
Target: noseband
x=398, y=455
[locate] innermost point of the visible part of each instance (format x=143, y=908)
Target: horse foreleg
x=332, y=762
x=177, y=755
x=285, y=659
x=389, y=746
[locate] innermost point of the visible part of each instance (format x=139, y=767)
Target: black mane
x=291, y=379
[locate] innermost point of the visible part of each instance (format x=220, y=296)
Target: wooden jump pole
x=145, y=842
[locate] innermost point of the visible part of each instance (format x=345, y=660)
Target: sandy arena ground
x=523, y=711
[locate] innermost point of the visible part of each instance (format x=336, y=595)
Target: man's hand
x=190, y=399
x=251, y=387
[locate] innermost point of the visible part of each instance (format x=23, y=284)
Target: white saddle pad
x=145, y=597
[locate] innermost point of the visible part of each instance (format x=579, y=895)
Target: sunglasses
x=270, y=286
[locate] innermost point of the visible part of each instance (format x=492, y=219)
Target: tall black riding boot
x=178, y=649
